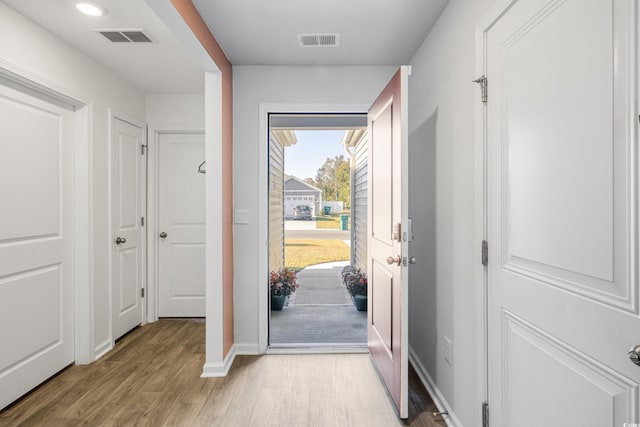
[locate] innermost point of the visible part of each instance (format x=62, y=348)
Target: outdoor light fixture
x=91, y=8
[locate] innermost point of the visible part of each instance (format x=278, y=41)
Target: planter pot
x=277, y=302
x=360, y=301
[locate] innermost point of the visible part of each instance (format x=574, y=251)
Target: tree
x=334, y=179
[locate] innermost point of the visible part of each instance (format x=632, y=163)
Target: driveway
x=299, y=225
x=317, y=234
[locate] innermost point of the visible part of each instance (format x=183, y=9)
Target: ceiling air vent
x=319, y=40
x=125, y=36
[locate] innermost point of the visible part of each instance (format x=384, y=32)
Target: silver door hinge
x=485, y=414
x=485, y=253
x=141, y=221
x=142, y=292
x=142, y=148
x=482, y=81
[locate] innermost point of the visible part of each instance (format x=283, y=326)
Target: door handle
x=412, y=260
x=163, y=235
x=397, y=260
x=634, y=354
x=120, y=240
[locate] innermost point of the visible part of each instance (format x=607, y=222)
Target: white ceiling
x=159, y=67
x=373, y=32
x=251, y=32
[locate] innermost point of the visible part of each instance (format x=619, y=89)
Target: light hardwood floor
x=152, y=378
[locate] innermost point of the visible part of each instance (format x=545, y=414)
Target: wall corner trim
x=219, y=369
x=438, y=398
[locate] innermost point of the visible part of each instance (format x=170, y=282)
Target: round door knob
x=412, y=260
x=163, y=235
x=120, y=240
x=397, y=260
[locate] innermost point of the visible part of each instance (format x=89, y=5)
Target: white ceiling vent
x=125, y=36
x=319, y=40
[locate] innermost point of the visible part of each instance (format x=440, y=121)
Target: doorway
x=313, y=168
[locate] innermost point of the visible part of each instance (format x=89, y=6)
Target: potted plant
x=356, y=282
x=281, y=284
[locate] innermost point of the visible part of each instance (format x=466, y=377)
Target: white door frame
x=28, y=82
x=153, y=135
x=263, y=198
x=481, y=208
x=113, y=115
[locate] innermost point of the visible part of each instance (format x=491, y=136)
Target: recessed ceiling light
x=91, y=8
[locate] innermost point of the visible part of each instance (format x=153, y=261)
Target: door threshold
x=321, y=348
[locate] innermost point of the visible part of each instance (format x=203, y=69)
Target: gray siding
x=276, y=204
x=359, y=206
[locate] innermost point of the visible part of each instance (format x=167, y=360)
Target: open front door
x=388, y=281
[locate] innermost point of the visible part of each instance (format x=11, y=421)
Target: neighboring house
x=297, y=192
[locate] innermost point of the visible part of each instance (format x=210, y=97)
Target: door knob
x=634, y=354
x=163, y=235
x=397, y=260
x=120, y=240
x=412, y=260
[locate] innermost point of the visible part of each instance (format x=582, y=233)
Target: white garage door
x=36, y=258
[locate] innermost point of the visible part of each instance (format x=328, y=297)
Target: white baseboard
x=219, y=369
x=247, y=349
x=102, y=349
x=441, y=403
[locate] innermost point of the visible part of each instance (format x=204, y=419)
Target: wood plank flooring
x=152, y=378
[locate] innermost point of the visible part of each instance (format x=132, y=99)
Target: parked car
x=302, y=212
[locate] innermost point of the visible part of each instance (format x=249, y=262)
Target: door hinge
x=142, y=148
x=142, y=292
x=141, y=221
x=482, y=81
x=485, y=253
x=485, y=414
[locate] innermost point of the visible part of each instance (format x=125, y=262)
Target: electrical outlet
x=448, y=351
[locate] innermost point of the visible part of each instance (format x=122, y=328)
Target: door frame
x=153, y=136
x=263, y=200
x=83, y=238
x=481, y=193
x=113, y=115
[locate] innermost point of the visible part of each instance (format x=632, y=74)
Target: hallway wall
x=253, y=85
x=39, y=53
x=442, y=102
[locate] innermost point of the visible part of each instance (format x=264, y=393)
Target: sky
x=303, y=159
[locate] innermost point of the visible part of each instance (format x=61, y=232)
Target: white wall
x=180, y=112
x=26, y=46
x=442, y=103
x=253, y=85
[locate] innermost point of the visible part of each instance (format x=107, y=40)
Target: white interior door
x=387, y=215
x=128, y=204
x=181, y=223
x=563, y=214
x=36, y=242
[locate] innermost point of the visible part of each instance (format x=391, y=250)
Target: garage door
x=36, y=259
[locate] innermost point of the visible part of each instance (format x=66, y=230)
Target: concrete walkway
x=320, y=312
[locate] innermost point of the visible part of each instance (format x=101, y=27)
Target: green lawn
x=301, y=253
x=330, y=222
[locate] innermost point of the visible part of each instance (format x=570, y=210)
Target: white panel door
x=127, y=198
x=36, y=238
x=563, y=214
x=181, y=223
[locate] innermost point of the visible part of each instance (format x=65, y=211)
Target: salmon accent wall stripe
x=192, y=17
